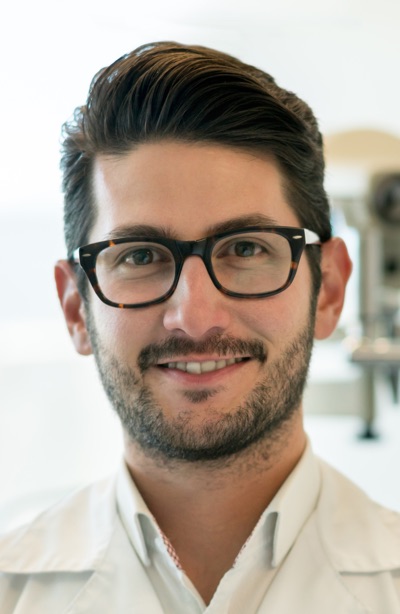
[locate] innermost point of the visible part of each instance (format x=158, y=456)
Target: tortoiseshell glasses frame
x=166, y=257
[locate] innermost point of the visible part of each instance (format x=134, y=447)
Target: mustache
x=217, y=344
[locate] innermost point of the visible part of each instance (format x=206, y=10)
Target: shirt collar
x=132, y=509
x=292, y=505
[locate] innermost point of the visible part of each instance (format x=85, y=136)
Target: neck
x=223, y=500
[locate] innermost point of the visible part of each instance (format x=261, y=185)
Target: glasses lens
x=252, y=263
x=135, y=272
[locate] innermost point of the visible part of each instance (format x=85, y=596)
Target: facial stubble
x=263, y=415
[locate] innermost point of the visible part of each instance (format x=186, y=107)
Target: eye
x=140, y=257
x=135, y=257
x=244, y=249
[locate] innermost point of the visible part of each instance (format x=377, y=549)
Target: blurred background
x=343, y=57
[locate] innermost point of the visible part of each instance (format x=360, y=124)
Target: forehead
x=187, y=189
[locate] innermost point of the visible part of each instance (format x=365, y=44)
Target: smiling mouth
x=206, y=366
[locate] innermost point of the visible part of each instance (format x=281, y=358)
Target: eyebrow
x=139, y=230
x=242, y=221
x=157, y=232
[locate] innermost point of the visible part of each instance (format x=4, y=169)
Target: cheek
x=277, y=318
x=124, y=332
x=263, y=317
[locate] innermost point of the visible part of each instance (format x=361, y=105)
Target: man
x=200, y=268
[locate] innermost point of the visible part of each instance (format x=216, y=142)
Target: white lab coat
x=77, y=558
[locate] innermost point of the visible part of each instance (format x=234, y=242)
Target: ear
x=72, y=306
x=336, y=268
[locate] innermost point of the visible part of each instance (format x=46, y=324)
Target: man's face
x=187, y=190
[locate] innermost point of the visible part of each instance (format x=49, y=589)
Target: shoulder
x=70, y=536
x=358, y=534
x=75, y=557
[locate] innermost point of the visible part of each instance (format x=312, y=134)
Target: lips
x=206, y=366
x=210, y=355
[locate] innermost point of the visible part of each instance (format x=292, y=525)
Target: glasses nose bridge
x=194, y=248
x=198, y=248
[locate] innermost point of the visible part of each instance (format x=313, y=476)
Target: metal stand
x=369, y=431
x=373, y=355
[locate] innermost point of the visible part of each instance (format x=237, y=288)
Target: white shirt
x=243, y=587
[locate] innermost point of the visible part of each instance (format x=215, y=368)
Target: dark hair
x=193, y=94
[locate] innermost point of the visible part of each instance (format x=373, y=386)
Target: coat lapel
x=120, y=584
x=307, y=582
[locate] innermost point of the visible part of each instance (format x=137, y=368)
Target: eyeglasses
x=252, y=262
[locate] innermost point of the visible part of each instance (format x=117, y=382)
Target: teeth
x=203, y=367
x=193, y=367
x=208, y=365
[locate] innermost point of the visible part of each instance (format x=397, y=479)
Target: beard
x=264, y=415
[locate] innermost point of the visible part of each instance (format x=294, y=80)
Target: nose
x=197, y=308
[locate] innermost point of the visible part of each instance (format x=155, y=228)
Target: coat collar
x=359, y=536
x=73, y=535
x=307, y=582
